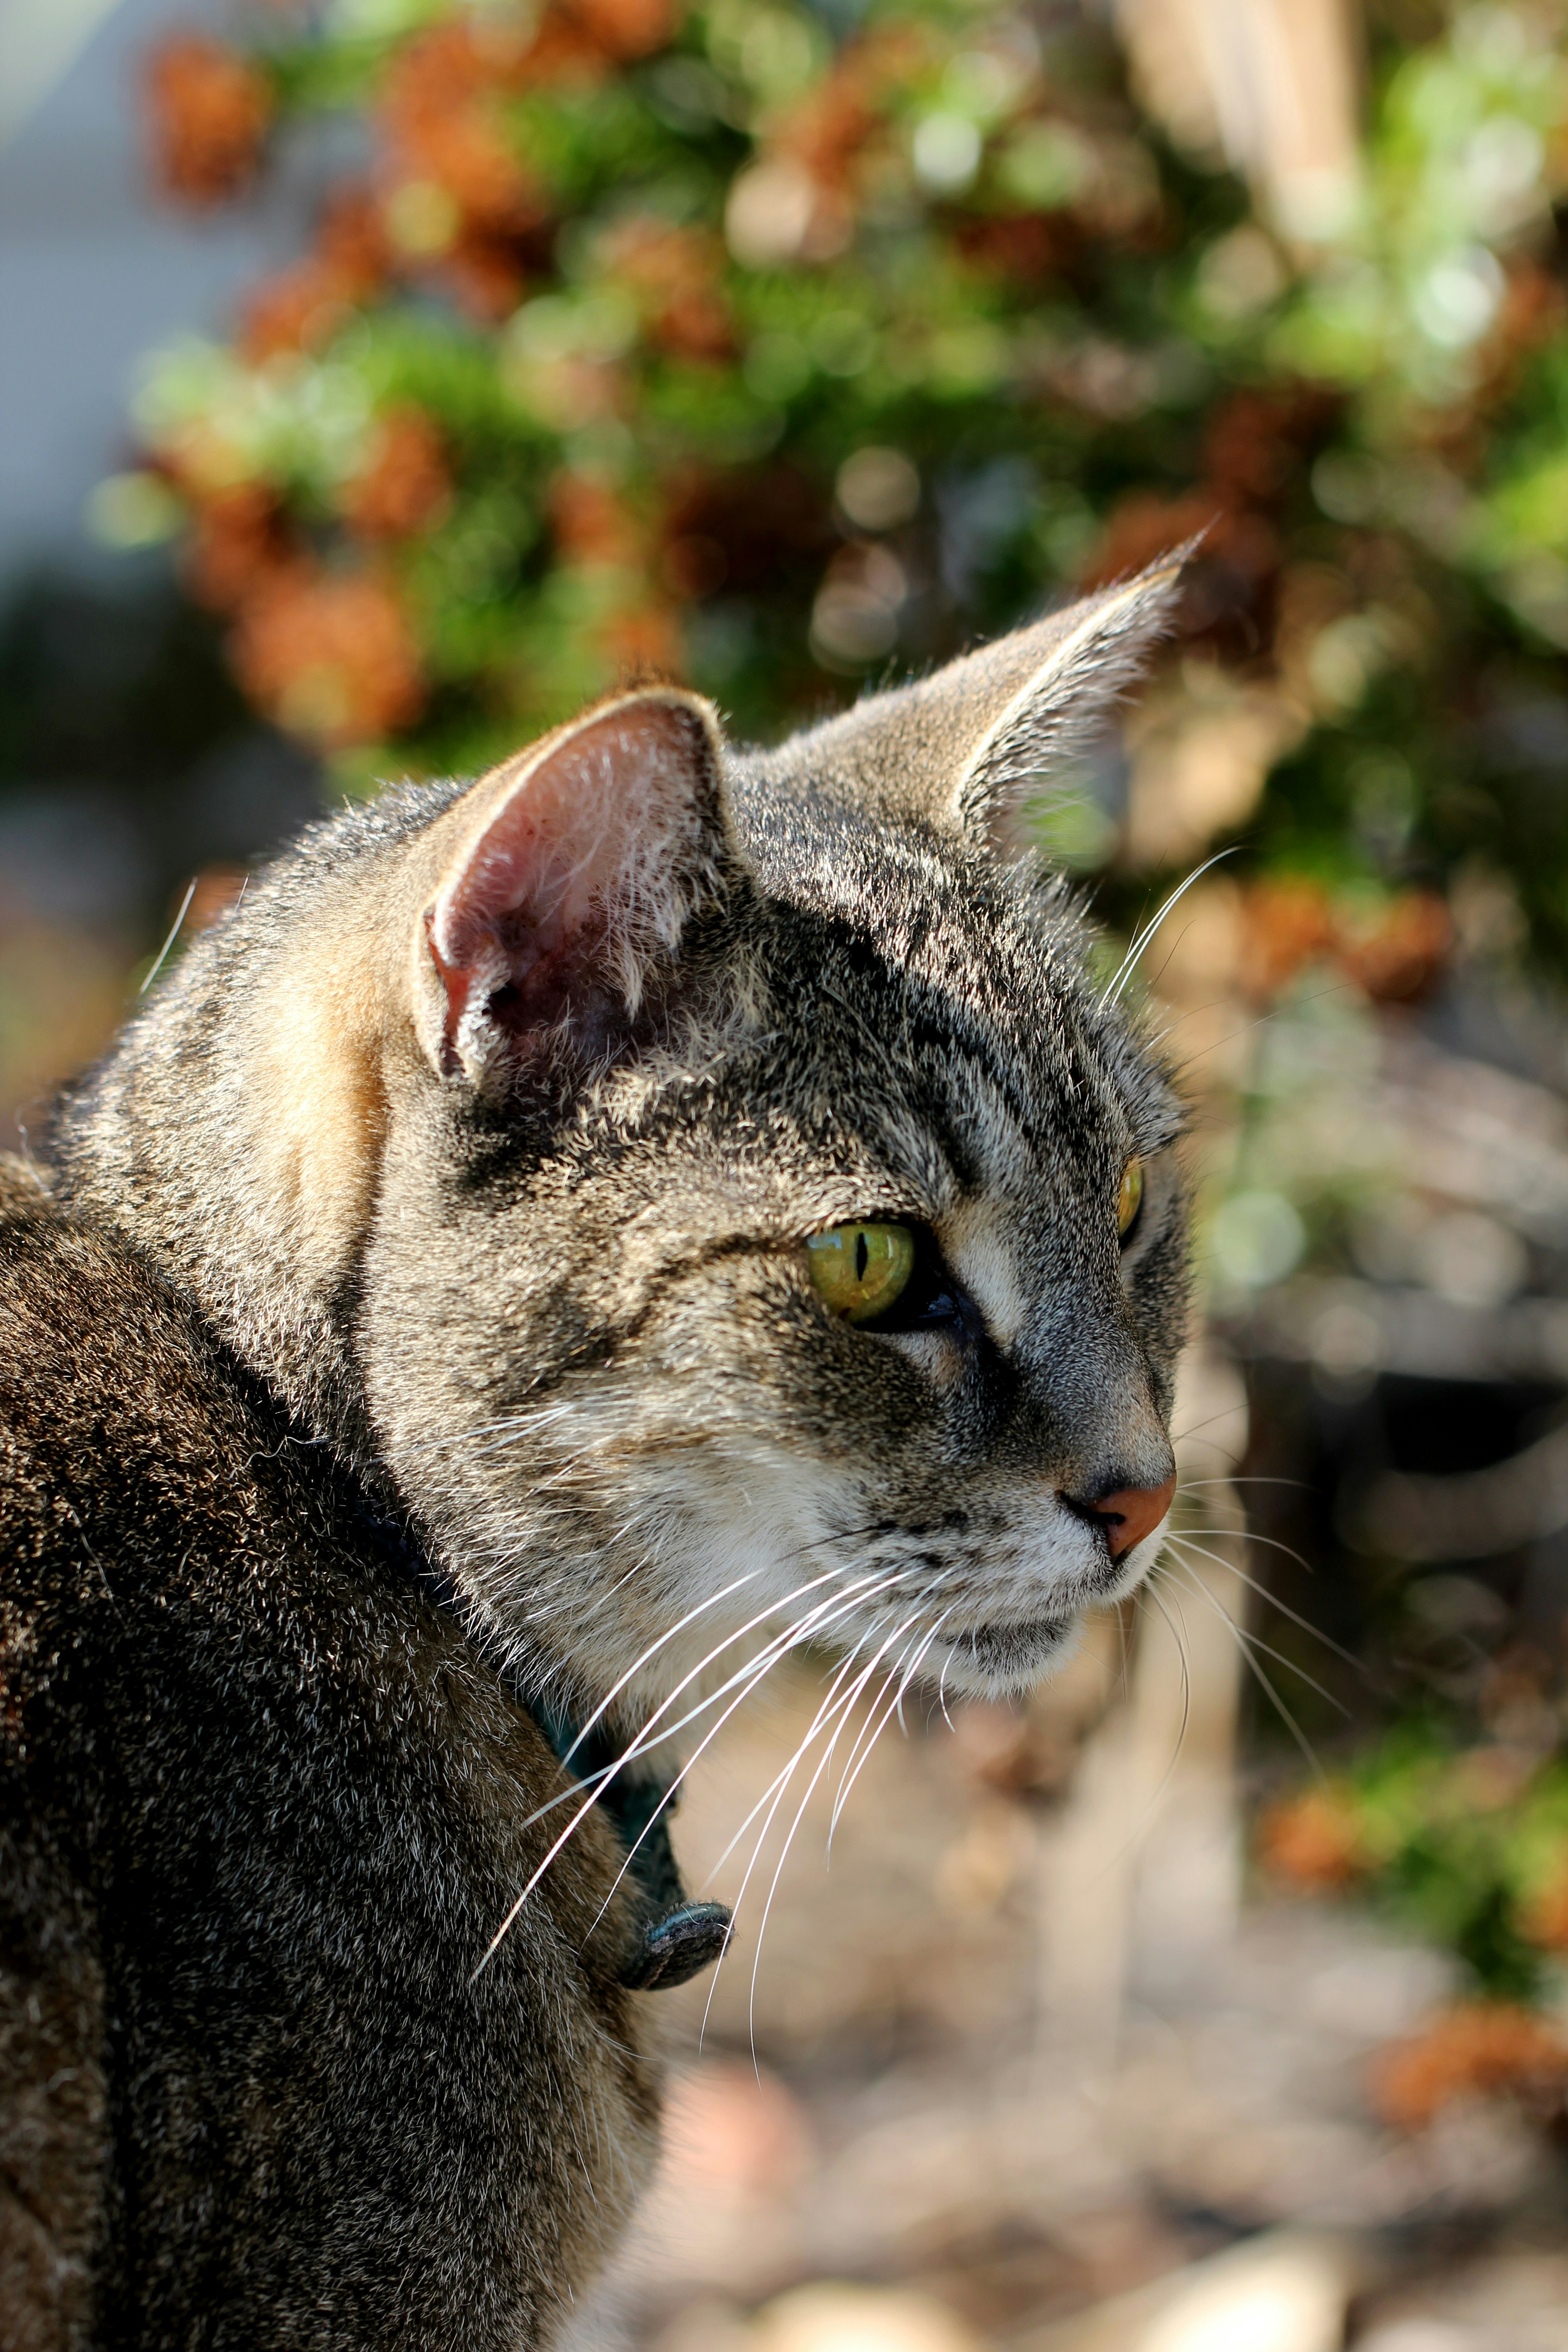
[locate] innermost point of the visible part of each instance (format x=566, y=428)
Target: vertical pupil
x=862, y=1257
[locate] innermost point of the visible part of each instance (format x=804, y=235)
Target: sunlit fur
x=450, y=1198
x=652, y=1404
x=566, y=1318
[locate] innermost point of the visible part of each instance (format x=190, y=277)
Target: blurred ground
x=1028, y=2061
x=921, y=2117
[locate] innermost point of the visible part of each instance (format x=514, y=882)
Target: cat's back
x=123, y=1445
x=52, y=2103
x=103, y=1375
x=261, y=1808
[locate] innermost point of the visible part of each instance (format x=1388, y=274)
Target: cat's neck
x=236, y=1132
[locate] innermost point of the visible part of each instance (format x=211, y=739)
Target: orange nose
x=1130, y=1514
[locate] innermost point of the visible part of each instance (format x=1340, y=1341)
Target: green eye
x=1129, y=1200
x=859, y=1270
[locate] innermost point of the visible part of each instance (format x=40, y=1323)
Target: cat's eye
x=1130, y=1199
x=860, y=1270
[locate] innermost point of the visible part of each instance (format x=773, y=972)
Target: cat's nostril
x=1127, y=1513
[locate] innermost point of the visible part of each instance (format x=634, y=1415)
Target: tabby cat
x=558, y=1241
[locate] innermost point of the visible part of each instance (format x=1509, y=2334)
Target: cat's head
x=778, y=1227
x=710, y=1186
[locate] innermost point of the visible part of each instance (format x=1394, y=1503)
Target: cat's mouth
x=1010, y=1658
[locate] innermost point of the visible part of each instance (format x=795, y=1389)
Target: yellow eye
x=859, y=1270
x=1130, y=1199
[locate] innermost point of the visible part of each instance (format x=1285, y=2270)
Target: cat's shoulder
x=24, y=1193
x=72, y=1291
x=107, y=1376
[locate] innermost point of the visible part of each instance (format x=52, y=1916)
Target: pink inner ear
x=566, y=869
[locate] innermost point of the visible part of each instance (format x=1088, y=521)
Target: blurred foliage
x=774, y=345
x=1468, y=1844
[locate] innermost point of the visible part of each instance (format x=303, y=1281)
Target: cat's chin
x=1005, y=1661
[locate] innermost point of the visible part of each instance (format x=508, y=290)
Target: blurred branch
x=1352, y=1329
x=1270, y=86
x=1474, y=1514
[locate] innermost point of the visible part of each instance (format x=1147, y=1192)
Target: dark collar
x=678, y=1937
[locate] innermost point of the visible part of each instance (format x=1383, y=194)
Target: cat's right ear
x=563, y=907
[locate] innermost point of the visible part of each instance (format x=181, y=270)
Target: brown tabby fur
x=456, y=1189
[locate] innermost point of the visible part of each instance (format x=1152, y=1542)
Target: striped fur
x=473, y=1158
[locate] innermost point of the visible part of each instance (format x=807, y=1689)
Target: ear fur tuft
x=1064, y=703
x=581, y=862
x=959, y=748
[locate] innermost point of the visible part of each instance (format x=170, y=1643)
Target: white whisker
x=843, y=1796
x=769, y=1656
x=640, y=1745
x=1272, y=1599
x=781, y=1785
x=1141, y=938
x=1249, y=1644
x=848, y=1704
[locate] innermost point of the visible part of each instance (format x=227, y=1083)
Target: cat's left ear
x=1041, y=696
x=963, y=747
x=561, y=911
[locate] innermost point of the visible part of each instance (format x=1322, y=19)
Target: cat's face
x=685, y=1014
